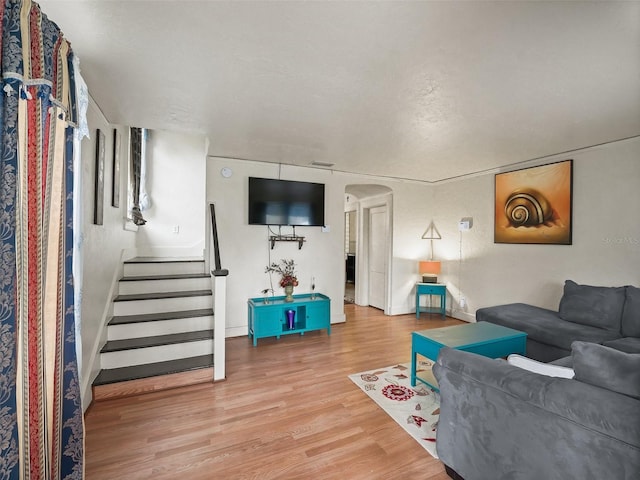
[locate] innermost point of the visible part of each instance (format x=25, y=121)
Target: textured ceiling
x=420, y=90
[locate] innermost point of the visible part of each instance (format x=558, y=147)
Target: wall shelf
x=286, y=238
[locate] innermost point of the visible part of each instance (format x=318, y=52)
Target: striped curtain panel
x=41, y=425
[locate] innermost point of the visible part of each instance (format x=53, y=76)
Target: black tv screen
x=285, y=202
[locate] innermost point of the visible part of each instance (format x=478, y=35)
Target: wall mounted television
x=285, y=202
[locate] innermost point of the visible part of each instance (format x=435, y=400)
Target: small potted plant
x=288, y=280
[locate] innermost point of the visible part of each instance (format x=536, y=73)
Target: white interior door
x=377, y=256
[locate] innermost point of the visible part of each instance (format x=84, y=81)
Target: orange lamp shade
x=431, y=267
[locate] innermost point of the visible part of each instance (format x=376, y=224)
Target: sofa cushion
x=542, y=325
x=599, y=307
x=626, y=344
x=541, y=368
x=475, y=388
x=631, y=313
x=564, y=362
x=499, y=421
x=607, y=368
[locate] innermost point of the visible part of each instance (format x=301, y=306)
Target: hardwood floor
x=286, y=411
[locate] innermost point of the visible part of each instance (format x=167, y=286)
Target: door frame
x=362, y=249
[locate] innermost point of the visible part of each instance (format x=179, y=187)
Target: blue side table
x=439, y=289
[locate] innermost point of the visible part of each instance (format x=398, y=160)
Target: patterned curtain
x=137, y=159
x=41, y=427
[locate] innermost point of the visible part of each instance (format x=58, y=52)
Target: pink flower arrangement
x=287, y=270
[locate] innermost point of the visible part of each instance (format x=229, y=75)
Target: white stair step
x=163, y=283
x=142, y=356
x=135, y=326
x=162, y=302
x=144, y=266
x=163, y=324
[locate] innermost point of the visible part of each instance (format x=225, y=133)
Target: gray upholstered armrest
x=499, y=421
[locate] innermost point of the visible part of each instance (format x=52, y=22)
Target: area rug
x=416, y=409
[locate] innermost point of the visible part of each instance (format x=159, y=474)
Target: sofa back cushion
x=595, y=306
x=607, y=368
x=631, y=313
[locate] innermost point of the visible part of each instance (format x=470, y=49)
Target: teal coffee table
x=483, y=338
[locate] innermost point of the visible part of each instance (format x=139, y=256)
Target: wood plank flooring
x=286, y=411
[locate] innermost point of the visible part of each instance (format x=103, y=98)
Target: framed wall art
x=534, y=205
x=115, y=185
x=98, y=204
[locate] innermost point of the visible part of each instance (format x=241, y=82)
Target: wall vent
x=322, y=164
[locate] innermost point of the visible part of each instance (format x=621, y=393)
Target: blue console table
x=269, y=318
x=438, y=289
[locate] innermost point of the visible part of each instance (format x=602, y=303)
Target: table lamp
x=429, y=271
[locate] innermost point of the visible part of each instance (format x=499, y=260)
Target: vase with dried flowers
x=287, y=270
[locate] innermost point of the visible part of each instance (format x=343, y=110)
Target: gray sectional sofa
x=605, y=315
x=500, y=421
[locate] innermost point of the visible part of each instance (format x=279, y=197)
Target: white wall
x=102, y=245
x=245, y=250
x=176, y=164
x=414, y=206
x=606, y=235
x=605, y=250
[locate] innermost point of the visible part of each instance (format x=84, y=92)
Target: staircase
x=161, y=333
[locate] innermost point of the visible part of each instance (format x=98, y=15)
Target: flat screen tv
x=285, y=202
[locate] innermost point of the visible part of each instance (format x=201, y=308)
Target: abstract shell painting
x=534, y=205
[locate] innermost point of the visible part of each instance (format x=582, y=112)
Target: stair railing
x=219, y=279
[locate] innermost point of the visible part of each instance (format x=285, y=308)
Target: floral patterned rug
x=416, y=409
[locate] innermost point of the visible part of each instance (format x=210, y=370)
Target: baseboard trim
x=464, y=316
